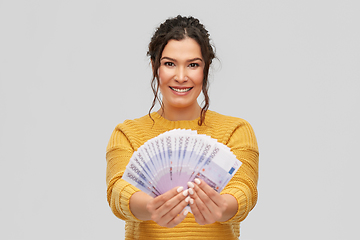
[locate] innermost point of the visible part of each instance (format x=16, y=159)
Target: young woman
x=181, y=54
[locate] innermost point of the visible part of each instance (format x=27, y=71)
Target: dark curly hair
x=179, y=28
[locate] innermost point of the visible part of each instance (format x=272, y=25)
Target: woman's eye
x=170, y=64
x=193, y=65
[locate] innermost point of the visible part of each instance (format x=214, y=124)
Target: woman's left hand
x=208, y=206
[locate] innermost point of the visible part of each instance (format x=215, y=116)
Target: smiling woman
x=180, y=54
x=172, y=31
x=181, y=74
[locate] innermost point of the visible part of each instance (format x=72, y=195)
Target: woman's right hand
x=167, y=210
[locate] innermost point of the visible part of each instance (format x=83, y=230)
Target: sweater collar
x=186, y=124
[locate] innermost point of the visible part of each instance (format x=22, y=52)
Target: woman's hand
x=208, y=205
x=166, y=209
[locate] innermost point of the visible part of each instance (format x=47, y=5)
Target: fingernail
x=186, y=192
x=186, y=212
x=180, y=189
x=191, y=191
x=190, y=184
x=187, y=199
x=197, y=181
x=191, y=201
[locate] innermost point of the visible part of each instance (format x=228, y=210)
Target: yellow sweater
x=127, y=137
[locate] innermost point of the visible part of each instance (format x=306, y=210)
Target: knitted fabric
x=128, y=136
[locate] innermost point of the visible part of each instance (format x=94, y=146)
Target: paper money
x=178, y=156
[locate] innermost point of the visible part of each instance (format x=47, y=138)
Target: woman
x=181, y=54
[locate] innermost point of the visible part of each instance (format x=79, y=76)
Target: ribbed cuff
x=241, y=198
x=125, y=190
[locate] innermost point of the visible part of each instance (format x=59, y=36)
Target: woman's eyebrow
x=174, y=60
x=195, y=59
x=171, y=59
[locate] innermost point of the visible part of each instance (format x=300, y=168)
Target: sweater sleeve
x=243, y=186
x=118, y=154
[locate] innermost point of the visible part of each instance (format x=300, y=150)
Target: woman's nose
x=181, y=75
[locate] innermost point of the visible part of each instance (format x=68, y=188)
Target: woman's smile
x=181, y=89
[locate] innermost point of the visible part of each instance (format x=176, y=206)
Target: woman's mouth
x=181, y=90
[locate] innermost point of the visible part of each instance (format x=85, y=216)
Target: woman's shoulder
x=220, y=119
x=223, y=127
x=140, y=122
x=136, y=131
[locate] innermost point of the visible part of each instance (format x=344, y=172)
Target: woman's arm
x=119, y=192
x=138, y=203
x=240, y=194
x=128, y=202
x=243, y=185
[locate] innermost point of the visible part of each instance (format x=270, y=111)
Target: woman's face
x=181, y=74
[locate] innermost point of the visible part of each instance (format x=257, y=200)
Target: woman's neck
x=179, y=114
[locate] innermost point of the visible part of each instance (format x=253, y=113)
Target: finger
x=197, y=191
x=178, y=218
x=209, y=191
x=203, y=202
x=200, y=195
x=199, y=217
x=161, y=199
x=172, y=217
x=171, y=206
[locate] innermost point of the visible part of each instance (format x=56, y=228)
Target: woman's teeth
x=181, y=90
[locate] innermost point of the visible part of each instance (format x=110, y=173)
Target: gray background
x=71, y=70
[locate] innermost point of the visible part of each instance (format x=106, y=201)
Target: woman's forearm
x=232, y=207
x=138, y=202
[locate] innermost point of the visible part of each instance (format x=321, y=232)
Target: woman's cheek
x=164, y=75
x=197, y=76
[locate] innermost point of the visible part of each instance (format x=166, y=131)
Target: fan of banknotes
x=179, y=156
